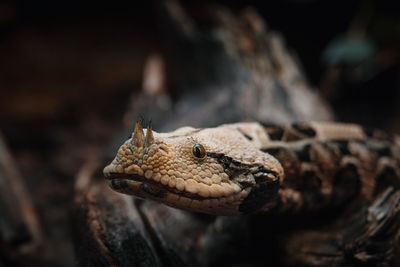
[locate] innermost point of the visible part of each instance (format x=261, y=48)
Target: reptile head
x=216, y=170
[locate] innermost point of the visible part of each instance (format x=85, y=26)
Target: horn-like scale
x=139, y=139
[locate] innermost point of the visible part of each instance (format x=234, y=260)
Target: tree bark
x=232, y=69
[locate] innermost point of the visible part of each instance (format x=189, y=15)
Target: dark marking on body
x=346, y=183
x=225, y=161
x=235, y=169
x=386, y=177
x=231, y=167
x=245, y=180
x=248, y=137
x=304, y=129
x=291, y=135
x=304, y=153
x=272, y=150
x=265, y=192
x=309, y=186
x=343, y=146
x=288, y=160
x=377, y=134
x=383, y=151
x=369, y=132
x=276, y=133
x=311, y=181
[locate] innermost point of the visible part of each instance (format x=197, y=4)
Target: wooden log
x=20, y=231
x=370, y=237
x=233, y=69
x=227, y=68
x=107, y=229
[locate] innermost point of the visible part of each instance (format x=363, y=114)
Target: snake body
x=246, y=168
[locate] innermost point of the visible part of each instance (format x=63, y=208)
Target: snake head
x=214, y=170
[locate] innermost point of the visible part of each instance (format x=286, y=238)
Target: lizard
x=249, y=167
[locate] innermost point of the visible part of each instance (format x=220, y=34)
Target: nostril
x=163, y=149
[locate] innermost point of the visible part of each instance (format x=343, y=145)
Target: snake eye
x=198, y=151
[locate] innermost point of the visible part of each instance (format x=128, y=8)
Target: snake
x=250, y=167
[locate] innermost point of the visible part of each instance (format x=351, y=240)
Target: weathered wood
x=19, y=227
x=368, y=236
x=107, y=229
x=233, y=69
x=175, y=233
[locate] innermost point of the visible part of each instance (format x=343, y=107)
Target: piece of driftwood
x=20, y=231
x=110, y=229
x=106, y=227
x=232, y=69
x=367, y=236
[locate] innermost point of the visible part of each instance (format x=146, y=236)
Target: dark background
x=68, y=68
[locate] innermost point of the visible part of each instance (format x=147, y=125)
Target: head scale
x=214, y=170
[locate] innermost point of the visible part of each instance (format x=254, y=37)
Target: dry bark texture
x=240, y=70
x=20, y=232
x=234, y=69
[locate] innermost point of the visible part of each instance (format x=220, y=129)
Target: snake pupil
x=199, y=151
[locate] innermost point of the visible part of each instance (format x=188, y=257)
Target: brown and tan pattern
x=248, y=167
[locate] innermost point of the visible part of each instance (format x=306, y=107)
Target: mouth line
x=126, y=176
x=148, y=183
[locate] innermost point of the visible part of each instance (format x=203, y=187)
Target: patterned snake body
x=245, y=168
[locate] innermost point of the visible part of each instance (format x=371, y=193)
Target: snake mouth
x=139, y=186
x=128, y=183
x=125, y=183
x=134, y=184
x=124, y=176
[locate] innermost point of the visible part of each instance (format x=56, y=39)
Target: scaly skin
x=246, y=167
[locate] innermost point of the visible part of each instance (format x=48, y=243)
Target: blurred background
x=69, y=71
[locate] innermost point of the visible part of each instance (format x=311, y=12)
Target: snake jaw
x=133, y=184
x=224, y=200
x=165, y=167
